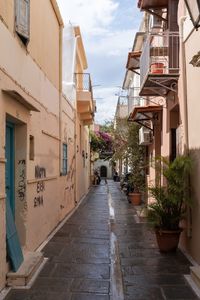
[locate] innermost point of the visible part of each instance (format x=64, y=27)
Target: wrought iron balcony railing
x=159, y=59
x=134, y=99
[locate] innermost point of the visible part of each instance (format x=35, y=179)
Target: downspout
x=185, y=112
x=75, y=112
x=75, y=155
x=60, y=97
x=184, y=85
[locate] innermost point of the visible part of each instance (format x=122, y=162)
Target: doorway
x=103, y=171
x=10, y=166
x=14, y=251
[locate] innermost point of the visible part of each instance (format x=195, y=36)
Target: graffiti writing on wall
x=21, y=186
x=40, y=172
x=38, y=200
x=69, y=193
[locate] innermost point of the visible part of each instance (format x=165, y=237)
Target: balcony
x=134, y=99
x=85, y=103
x=159, y=64
x=133, y=62
x=150, y=4
x=147, y=116
x=122, y=108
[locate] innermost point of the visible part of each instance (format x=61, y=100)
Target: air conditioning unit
x=156, y=22
x=145, y=136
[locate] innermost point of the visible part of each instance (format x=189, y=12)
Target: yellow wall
x=43, y=23
x=192, y=45
x=34, y=75
x=7, y=12
x=45, y=51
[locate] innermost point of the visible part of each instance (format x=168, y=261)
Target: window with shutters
x=22, y=19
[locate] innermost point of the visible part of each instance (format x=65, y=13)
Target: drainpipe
x=75, y=155
x=185, y=107
x=75, y=118
x=60, y=97
x=184, y=85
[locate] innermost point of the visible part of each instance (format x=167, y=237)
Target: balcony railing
x=122, y=107
x=134, y=99
x=83, y=82
x=160, y=56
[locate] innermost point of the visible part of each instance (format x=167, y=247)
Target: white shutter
x=22, y=18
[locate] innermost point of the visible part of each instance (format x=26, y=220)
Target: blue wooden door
x=10, y=166
x=14, y=250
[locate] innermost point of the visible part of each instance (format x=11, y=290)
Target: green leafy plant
x=126, y=148
x=171, y=200
x=120, y=139
x=136, y=159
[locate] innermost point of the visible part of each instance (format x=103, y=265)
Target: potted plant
x=157, y=68
x=170, y=203
x=136, y=161
x=127, y=149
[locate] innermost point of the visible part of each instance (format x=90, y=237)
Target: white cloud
x=93, y=16
x=106, y=99
x=115, y=43
x=106, y=45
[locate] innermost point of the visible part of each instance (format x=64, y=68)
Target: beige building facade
x=44, y=140
x=167, y=60
x=189, y=137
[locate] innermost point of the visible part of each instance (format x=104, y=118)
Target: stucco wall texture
x=43, y=120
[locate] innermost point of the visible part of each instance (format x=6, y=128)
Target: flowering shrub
x=101, y=142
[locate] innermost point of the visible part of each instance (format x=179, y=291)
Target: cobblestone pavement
x=102, y=253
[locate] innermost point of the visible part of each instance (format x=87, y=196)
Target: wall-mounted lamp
x=196, y=60
x=193, y=7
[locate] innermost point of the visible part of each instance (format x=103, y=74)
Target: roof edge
x=57, y=12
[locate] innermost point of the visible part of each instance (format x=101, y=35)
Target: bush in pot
x=127, y=148
x=136, y=161
x=170, y=203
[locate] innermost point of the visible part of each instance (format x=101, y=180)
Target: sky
x=108, y=28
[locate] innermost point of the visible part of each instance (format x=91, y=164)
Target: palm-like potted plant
x=171, y=201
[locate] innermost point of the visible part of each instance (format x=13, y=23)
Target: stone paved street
x=83, y=266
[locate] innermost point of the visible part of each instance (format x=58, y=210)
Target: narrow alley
x=102, y=252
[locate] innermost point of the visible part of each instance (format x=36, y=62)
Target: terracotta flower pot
x=157, y=68
x=167, y=239
x=135, y=198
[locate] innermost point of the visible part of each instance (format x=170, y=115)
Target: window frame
x=22, y=23
x=64, y=159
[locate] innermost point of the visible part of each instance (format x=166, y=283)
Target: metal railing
x=160, y=55
x=122, y=100
x=122, y=107
x=134, y=99
x=83, y=82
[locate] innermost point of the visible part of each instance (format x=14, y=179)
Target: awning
x=133, y=62
x=149, y=4
x=18, y=97
x=143, y=114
